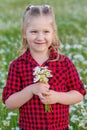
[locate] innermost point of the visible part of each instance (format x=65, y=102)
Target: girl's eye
x=47, y=31
x=33, y=31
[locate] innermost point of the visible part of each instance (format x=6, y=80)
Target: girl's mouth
x=40, y=43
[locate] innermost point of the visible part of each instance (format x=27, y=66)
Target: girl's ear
x=23, y=33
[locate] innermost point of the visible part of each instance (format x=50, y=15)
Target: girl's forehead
x=40, y=20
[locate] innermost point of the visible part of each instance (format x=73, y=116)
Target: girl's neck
x=40, y=58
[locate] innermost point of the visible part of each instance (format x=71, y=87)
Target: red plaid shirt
x=32, y=114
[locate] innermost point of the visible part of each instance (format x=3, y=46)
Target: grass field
x=71, y=19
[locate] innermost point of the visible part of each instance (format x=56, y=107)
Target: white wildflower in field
x=8, y=118
x=71, y=127
x=12, y=114
x=84, y=112
x=72, y=109
x=6, y=122
x=86, y=96
x=74, y=118
x=17, y=128
x=3, y=105
x=12, y=128
x=79, y=117
x=82, y=124
x=78, y=56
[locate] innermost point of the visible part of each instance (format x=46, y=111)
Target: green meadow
x=71, y=19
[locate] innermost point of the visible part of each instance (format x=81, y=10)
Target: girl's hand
x=51, y=98
x=40, y=89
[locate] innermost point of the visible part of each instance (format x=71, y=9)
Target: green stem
x=47, y=108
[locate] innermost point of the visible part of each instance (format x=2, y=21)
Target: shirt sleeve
x=73, y=79
x=13, y=82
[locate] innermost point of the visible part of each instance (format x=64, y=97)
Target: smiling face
x=39, y=34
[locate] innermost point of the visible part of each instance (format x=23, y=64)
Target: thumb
x=47, y=85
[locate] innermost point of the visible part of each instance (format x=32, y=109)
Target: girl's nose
x=40, y=36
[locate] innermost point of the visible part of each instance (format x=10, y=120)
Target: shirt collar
x=53, y=54
x=26, y=56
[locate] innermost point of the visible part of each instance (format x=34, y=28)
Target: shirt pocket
x=58, y=81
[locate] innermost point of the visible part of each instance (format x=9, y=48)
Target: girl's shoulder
x=65, y=60
x=20, y=59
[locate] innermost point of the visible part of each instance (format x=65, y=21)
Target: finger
x=46, y=93
x=47, y=85
x=41, y=96
x=44, y=101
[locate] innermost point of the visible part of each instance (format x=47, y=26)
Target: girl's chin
x=41, y=50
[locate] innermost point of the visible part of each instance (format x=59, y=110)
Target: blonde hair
x=33, y=11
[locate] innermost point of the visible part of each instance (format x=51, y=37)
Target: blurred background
x=71, y=19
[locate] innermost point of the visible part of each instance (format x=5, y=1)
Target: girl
x=40, y=46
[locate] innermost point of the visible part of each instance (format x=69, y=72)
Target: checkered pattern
x=32, y=114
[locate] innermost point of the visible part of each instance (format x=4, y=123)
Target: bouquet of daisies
x=42, y=74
